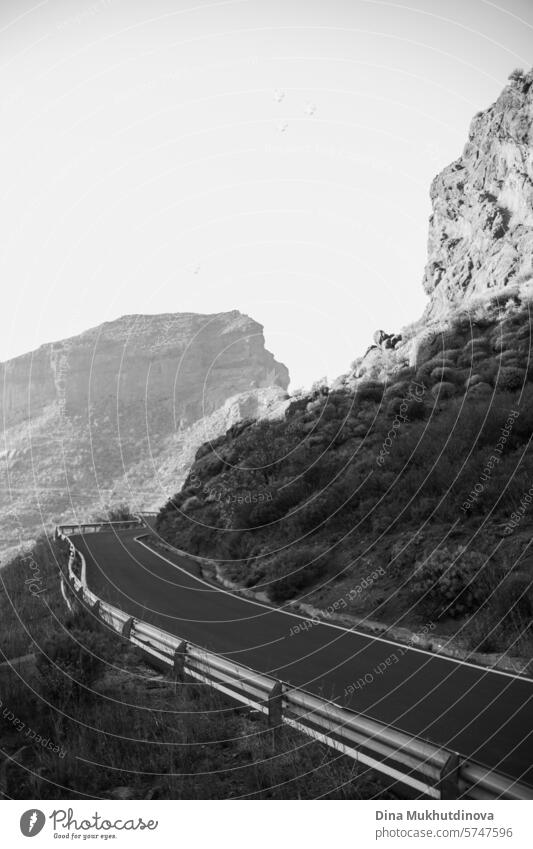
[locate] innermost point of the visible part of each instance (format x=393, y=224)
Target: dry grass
x=30, y=601
x=124, y=731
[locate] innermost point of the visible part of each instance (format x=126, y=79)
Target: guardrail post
x=449, y=778
x=178, y=666
x=126, y=628
x=275, y=711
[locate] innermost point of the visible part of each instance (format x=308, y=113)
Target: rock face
x=481, y=230
x=480, y=247
x=109, y=413
x=190, y=362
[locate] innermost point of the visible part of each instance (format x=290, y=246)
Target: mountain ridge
x=105, y=410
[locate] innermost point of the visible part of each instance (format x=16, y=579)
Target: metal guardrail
x=98, y=527
x=429, y=769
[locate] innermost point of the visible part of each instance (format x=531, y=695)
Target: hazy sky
x=271, y=156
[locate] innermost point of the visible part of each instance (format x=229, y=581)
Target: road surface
x=484, y=715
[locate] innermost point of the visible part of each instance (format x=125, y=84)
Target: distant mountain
x=118, y=411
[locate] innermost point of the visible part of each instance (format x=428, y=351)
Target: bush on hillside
x=443, y=390
x=370, y=390
x=115, y=513
x=450, y=583
x=513, y=599
x=517, y=75
x=511, y=378
x=297, y=568
x=69, y=663
x=443, y=374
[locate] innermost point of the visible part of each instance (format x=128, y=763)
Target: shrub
x=313, y=513
x=511, y=378
x=320, y=387
x=424, y=373
x=517, y=76
x=485, y=634
x=505, y=620
x=191, y=503
x=480, y=389
x=472, y=360
x=210, y=466
x=443, y=374
x=115, y=513
x=450, y=583
x=488, y=369
x=70, y=661
x=370, y=390
x=473, y=380
x=511, y=358
x=524, y=332
x=406, y=373
x=402, y=553
x=476, y=343
x=504, y=342
x=397, y=390
x=514, y=598
x=329, y=412
x=297, y=568
x=413, y=411
x=443, y=390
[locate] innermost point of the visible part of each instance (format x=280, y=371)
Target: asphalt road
x=487, y=716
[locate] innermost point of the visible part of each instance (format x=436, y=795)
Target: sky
x=271, y=156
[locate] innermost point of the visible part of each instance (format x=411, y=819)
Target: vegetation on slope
x=419, y=475
x=87, y=718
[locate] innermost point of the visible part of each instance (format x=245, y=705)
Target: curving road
x=485, y=715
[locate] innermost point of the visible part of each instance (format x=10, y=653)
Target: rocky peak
x=116, y=412
x=481, y=229
x=189, y=362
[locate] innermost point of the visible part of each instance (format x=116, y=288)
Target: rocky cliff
x=110, y=413
x=479, y=271
x=481, y=230
x=402, y=492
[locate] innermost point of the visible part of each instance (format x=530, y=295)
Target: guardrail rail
x=432, y=770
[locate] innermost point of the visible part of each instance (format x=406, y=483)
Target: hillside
x=402, y=492
x=87, y=701
x=117, y=412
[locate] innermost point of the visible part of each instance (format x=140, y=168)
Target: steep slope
x=401, y=492
x=110, y=414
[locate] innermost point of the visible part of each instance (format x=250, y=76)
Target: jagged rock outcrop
x=481, y=230
x=479, y=272
x=119, y=410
